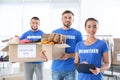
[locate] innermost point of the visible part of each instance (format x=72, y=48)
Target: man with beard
x=33, y=34
x=63, y=69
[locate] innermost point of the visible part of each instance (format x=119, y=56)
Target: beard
x=67, y=25
x=34, y=29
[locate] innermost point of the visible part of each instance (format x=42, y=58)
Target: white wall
x=15, y=16
x=56, y=10
x=10, y=19
x=106, y=11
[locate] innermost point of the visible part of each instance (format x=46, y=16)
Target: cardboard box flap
x=45, y=36
x=5, y=48
x=62, y=45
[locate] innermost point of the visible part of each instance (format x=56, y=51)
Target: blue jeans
x=63, y=75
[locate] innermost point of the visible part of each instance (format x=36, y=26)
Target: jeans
x=63, y=75
x=31, y=68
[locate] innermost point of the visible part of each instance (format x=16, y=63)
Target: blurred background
x=15, y=16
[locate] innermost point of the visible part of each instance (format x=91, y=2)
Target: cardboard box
x=116, y=44
x=26, y=52
x=23, y=52
x=116, y=57
x=54, y=51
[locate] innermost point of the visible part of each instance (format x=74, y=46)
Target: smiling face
x=34, y=24
x=67, y=20
x=91, y=27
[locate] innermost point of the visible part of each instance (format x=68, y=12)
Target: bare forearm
x=106, y=61
x=76, y=59
x=72, y=55
x=105, y=67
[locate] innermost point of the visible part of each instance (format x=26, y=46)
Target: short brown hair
x=67, y=11
x=36, y=18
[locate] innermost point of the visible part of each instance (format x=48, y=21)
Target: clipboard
x=84, y=68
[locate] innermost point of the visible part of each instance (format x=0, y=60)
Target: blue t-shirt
x=72, y=37
x=93, y=55
x=33, y=36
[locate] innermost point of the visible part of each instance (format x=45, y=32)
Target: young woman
x=92, y=51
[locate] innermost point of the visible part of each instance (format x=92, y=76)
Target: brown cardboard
x=116, y=57
x=5, y=48
x=54, y=51
x=12, y=50
x=63, y=38
x=116, y=44
x=116, y=53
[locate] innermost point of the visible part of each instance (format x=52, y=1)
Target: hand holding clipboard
x=84, y=68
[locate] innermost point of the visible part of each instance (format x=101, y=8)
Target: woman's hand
x=95, y=71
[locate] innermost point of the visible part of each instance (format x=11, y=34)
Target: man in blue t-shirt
x=33, y=34
x=63, y=69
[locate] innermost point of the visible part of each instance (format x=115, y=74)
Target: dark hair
x=90, y=19
x=67, y=11
x=36, y=18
